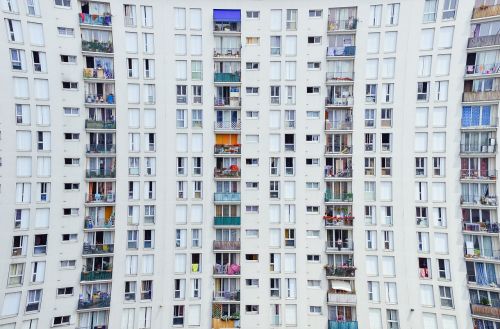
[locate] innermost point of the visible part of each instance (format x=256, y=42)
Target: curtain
x=180, y=18
x=42, y=216
x=291, y=45
x=196, y=45
x=276, y=17
x=180, y=44
x=274, y=237
x=131, y=42
x=290, y=263
x=36, y=33
x=195, y=19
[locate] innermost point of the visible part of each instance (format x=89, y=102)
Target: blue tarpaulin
x=227, y=15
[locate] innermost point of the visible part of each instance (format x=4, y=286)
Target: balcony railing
x=91, y=223
x=108, y=197
x=97, y=46
x=92, y=124
x=484, y=200
x=483, y=69
x=340, y=149
x=339, y=76
x=97, y=73
x=340, y=271
x=342, y=24
x=337, y=197
x=227, y=125
x=227, y=52
x=478, y=174
x=339, y=173
x=341, y=298
x=227, y=77
x=339, y=101
x=227, y=26
x=338, y=125
x=484, y=41
x=487, y=254
x=227, y=196
x=481, y=227
x=477, y=148
x=227, y=295
x=486, y=11
x=227, y=149
x=342, y=324
x=101, y=173
x=334, y=221
x=340, y=51
x=227, y=220
x=227, y=101
x=101, y=148
x=100, y=98
x=226, y=245
x=96, y=275
x=482, y=281
x=486, y=310
x=103, y=248
x=100, y=302
x=227, y=172
x=340, y=246
x=91, y=19
x=232, y=269
x=480, y=96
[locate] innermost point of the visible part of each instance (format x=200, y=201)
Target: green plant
x=484, y=301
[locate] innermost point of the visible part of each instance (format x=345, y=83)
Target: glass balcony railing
x=486, y=11
x=227, y=149
x=97, y=46
x=339, y=76
x=338, y=173
x=96, y=223
x=226, y=245
x=486, y=254
x=342, y=324
x=340, y=51
x=339, y=101
x=227, y=295
x=481, y=227
x=349, y=298
x=484, y=41
x=101, y=173
x=108, y=197
x=227, y=196
x=102, y=248
x=99, y=302
x=227, y=125
x=340, y=271
x=96, y=275
x=227, y=220
x=478, y=174
x=227, y=172
x=220, y=26
x=92, y=19
x=337, y=197
x=483, y=69
x=92, y=98
x=486, y=310
x=334, y=221
x=101, y=148
x=227, y=52
x=339, y=149
x=477, y=148
x=230, y=269
x=227, y=101
x=490, y=200
x=227, y=77
x=98, y=73
x=480, y=96
x=342, y=24
x=339, y=245
x=92, y=124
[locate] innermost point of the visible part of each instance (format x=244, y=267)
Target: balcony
x=338, y=125
x=91, y=19
x=227, y=101
x=227, y=220
x=224, y=321
x=477, y=199
x=93, y=249
x=482, y=254
x=101, y=173
x=99, y=302
x=484, y=41
x=477, y=148
x=339, y=101
x=478, y=174
x=96, y=275
x=100, y=198
x=227, y=149
x=480, y=227
x=486, y=11
x=231, y=172
x=342, y=324
x=341, y=298
x=227, y=295
x=227, y=52
x=227, y=196
x=232, y=269
x=483, y=69
x=340, y=246
x=338, y=149
x=339, y=76
x=101, y=148
x=97, y=46
x=227, y=24
x=99, y=223
x=92, y=124
x=339, y=173
x=226, y=245
x=337, y=196
x=340, y=271
x=486, y=311
x=480, y=96
x=227, y=125
x=98, y=73
x=227, y=77
x=340, y=51
x=101, y=99
x=336, y=221
x=342, y=24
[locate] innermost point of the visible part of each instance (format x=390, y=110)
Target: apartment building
x=251, y=164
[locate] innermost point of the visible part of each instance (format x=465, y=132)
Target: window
x=71, y=136
x=392, y=319
x=430, y=10
x=392, y=17
x=61, y=320
x=313, y=13
x=252, y=65
x=16, y=274
x=291, y=19
x=423, y=91
x=33, y=300
x=315, y=309
x=253, y=41
x=275, y=288
x=312, y=90
x=253, y=14
x=65, y=31
x=18, y=59
x=275, y=45
x=313, y=258
x=63, y=3
x=446, y=296
x=252, y=90
x=375, y=15
x=69, y=85
x=371, y=93
x=71, y=111
x=313, y=65
x=14, y=30
x=10, y=6
x=178, y=317
x=147, y=16
x=449, y=9
x=66, y=291
x=68, y=264
x=69, y=237
x=70, y=59
x=314, y=40
x=426, y=39
x=289, y=237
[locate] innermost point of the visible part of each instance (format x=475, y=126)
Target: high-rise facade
x=250, y=164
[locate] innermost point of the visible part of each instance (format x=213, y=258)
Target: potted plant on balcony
x=484, y=301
